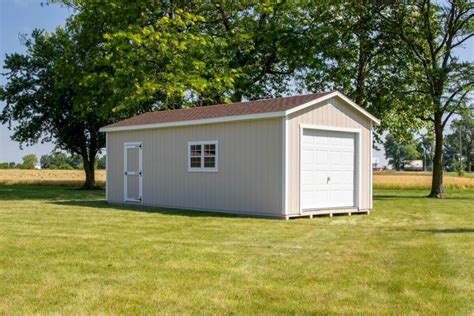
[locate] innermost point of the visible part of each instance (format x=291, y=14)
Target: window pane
x=195, y=162
x=210, y=150
x=209, y=162
x=195, y=150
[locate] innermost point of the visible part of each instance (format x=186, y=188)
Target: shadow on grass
x=393, y=197
x=142, y=209
x=447, y=230
x=18, y=192
x=382, y=197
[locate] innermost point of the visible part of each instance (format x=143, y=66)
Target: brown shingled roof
x=220, y=110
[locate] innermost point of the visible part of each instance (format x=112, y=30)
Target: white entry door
x=327, y=169
x=133, y=172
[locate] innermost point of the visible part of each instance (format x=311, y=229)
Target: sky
x=22, y=16
x=19, y=17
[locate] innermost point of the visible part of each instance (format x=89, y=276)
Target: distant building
x=376, y=164
x=413, y=165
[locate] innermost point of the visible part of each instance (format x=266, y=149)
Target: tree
x=261, y=42
x=53, y=161
x=226, y=52
x=349, y=48
x=459, y=145
x=29, y=161
x=46, y=99
x=425, y=148
x=397, y=151
x=439, y=83
x=101, y=162
x=56, y=160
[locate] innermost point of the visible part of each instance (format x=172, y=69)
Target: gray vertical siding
x=333, y=113
x=249, y=179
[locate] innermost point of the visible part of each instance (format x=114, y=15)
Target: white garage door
x=327, y=169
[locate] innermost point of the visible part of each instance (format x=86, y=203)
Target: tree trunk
x=89, y=170
x=437, y=180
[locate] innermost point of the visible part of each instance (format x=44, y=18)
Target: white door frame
x=358, y=148
x=126, y=146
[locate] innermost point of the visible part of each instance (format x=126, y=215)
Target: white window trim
x=358, y=165
x=203, y=169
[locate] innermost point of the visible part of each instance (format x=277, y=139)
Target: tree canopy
x=114, y=59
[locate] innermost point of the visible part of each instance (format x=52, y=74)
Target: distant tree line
x=458, y=150
x=55, y=160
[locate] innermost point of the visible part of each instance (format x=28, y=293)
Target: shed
x=283, y=157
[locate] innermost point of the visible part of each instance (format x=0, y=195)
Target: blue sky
x=17, y=17
x=22, y=16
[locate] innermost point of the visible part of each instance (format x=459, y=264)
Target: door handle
x=329, y=179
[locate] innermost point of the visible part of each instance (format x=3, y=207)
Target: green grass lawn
x=67, y=251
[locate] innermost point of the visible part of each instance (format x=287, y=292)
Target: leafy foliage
x=459, y=145
x=397, y=151
x=60, y=160
x=29, y=162
x=437, y=84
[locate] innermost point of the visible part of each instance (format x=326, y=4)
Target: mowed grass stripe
x=67, y=251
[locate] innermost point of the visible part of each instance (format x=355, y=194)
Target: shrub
x=65, y=166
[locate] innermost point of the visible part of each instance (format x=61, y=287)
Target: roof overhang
x=245, y=117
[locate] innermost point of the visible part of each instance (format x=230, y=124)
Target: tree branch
x=455, y=108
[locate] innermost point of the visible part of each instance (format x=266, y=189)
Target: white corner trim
x=358, y=155
x=107, y=167
x=138, y=145
x=203, y=169
x=244, y=117
x=285, y=170
x=371, y=177
x=329, y=96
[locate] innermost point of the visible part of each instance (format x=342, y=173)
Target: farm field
x=66, y=251
x=47, y=177
x=382, y=180
x=420, y=180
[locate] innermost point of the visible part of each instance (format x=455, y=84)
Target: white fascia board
x=329, y=96
x=194, y=122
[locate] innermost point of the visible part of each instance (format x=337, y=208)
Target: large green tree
x=399, y=150
x=197, y=53
x=349, y=49
x=46, y=99
x=73, y=81
x=438, y=84
x=459, y=144
x=29, y=162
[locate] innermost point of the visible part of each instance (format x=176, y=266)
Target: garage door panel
x=334, y=157
x=347, y=177
x=307, y=197
x=320, y=177
x=321, y=197
x=307, y=156
x=307, y=178
x=327, y=169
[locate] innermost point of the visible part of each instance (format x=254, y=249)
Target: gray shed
x=283, y=157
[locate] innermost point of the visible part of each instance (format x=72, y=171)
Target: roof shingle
x=220, y=110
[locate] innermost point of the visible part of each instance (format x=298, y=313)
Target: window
x=202, y=156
